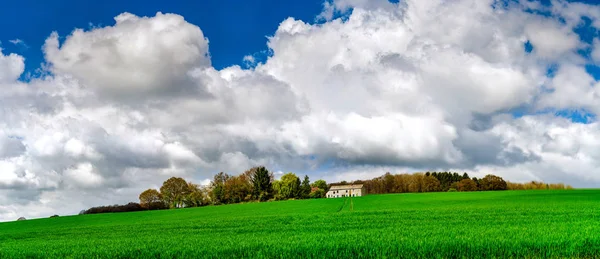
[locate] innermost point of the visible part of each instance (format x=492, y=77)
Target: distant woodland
x=258, y=184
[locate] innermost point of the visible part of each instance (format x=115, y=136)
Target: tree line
x=255, y=184
x=445, y=182
x=258, y=184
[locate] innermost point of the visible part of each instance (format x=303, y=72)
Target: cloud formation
x=374, y=86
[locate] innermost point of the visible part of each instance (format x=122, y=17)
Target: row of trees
x=256, y=184
x=533, y=185
x=443, y=182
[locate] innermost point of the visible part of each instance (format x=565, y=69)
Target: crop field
x=506, y=224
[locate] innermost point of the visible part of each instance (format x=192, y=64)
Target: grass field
x=518, y=224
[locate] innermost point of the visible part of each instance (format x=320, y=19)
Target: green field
x=520, y=224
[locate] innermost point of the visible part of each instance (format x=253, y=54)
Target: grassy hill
x=532, y=224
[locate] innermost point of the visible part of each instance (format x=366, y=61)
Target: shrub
x=132, y=206
x=452, y=190
x=318, y=193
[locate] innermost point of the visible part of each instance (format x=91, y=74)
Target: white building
x=350, y=190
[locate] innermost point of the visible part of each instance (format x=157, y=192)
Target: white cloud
x=567, y=152
x=138, y=55
x=11, y=67
x=83, y=175
x=420, y=85
x=19, y=42
x=596, y=51
x=550, y=40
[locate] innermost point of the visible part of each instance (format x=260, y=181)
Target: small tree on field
x=150, y=197
x=174, y=190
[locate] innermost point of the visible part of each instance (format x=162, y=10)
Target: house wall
x=345, y=193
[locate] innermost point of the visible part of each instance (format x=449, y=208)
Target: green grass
x=508, y=224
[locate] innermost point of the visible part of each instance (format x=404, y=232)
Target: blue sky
x=234, y=28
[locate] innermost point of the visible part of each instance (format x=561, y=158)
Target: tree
x=174, y=190
x=389, y=182
x=431, y=184
x=467, y=185
x=318, y=193
x=491, y=183
x=415, y=182
x=305, y=187
x=402, y=182
x=290, y=186
x=238, y=188
x=321, y=184
x=277, y=190
x=261, y=181
x=476, y=181
x=149, y=198
x=196, y=196
x=217, y=193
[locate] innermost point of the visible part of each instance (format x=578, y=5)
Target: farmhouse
x=350, y=190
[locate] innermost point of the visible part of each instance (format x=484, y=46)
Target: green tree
x=305, y=188
x=318, y=193
x=174, y=190
x=277, y=190
x=217, y=193
x=262, y=183
x=196, y=197
x=290, y=186
x=321, y=184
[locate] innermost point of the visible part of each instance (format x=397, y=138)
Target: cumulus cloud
x=399, y=87
x=138, y=55
x=11, y=67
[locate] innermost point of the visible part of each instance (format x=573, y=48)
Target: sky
x=102, y=101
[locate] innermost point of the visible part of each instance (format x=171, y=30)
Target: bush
x=54, y=216
x=159, y=205
x=452, y=190
x=132, y=206
x=319, y=193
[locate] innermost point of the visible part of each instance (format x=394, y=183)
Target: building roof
x=347, y=186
